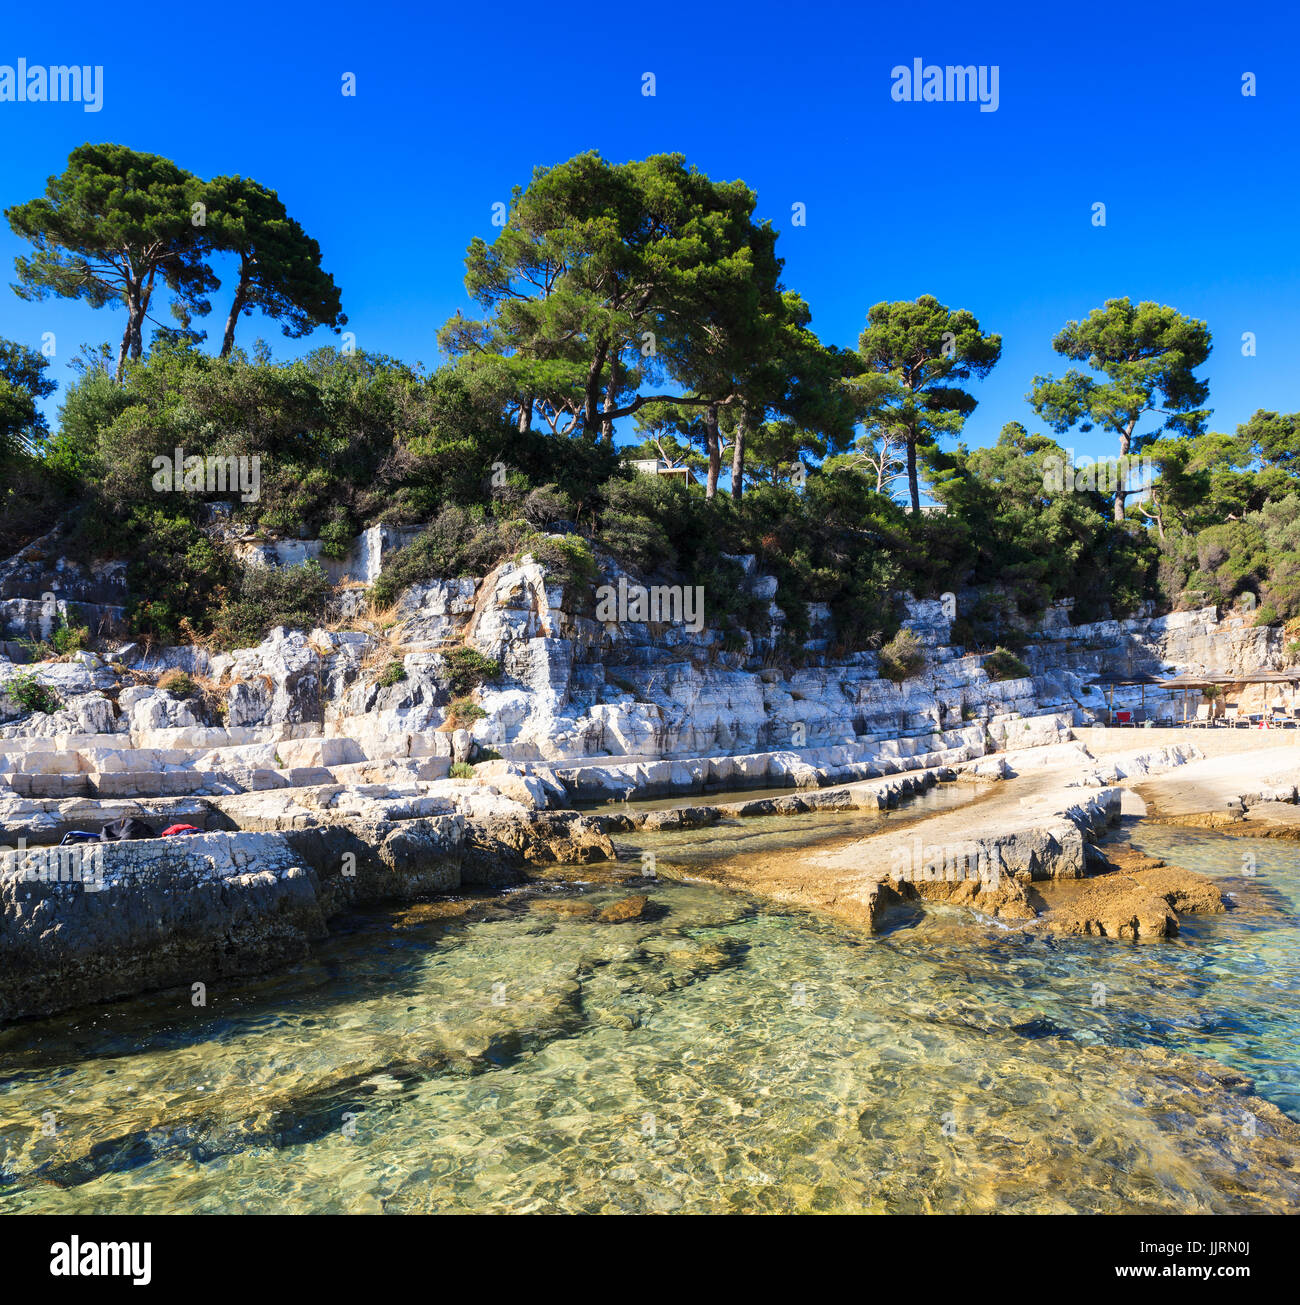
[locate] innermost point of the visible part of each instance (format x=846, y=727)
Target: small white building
x=662, y=467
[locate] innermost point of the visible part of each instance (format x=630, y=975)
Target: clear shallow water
x=1243, y=968
x=719, y=1055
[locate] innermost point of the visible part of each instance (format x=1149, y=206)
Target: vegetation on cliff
x=642, y=296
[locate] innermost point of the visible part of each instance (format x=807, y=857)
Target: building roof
x=1198, y=681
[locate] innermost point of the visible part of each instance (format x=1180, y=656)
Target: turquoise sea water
x=719, y=1054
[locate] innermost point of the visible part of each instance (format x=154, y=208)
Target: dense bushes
x=459, y=541
x=343, y=442
x=1002, y=664
x=466, y=541
x=467, y=669
x=28, y=692
x=829, y=544
x=176, y=573
x=265, y=597
x=1002, y=529
x=1258, y=555
x=32, y=499
x=66, y=639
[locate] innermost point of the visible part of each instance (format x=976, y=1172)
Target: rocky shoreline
x=1037, y=829
x=319, y=784
x=1247, y=794
x=97, y=922
x=102, y=921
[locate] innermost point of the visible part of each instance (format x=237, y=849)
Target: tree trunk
x=611, y=398
x=136, y=305
x=738, y=454
x=135, y=329
x=1124, y=443
x=592, y=391
x=913, y=484
x=125, y=346
x=525, y=414
x=713, y=443
x=143, y=300
x=237, y=307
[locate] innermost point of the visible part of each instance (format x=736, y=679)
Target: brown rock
x=427, y=912
x=1186, y=892
x=1005, y=896
x=1115, y=906
x=496, y=850
x=1140, y=899
x=627, y=908
x=669, y=818
x=562, y=906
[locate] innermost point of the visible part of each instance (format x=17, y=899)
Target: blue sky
x=1135, y=106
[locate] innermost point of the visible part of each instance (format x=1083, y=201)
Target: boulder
x=625, y=909
x=89, y=924
x=1141, y=898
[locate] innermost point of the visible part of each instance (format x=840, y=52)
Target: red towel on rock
x=180, y=829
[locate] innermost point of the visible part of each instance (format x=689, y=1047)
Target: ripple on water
x=718, y=1055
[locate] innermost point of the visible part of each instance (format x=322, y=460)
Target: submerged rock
x=563, y=906
x=1041, y=1028
x=629, y=908
x=431, y=913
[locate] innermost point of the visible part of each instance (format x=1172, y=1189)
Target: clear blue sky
x=1138, y=106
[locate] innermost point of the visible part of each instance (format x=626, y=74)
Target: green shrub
x=176, y=684
x=336, y=536
x=462, y=712
x=392, y=674
x=902, y=657
x=1001, y=664
x=69, y=638
x=175, y=573
x=461, y=770
x=457, y=542
x=293, y=596
x=567, y=559
x=27, y=691
x=962, y=633
x=32, y=497
x=545, y=506
x=467, y=669
x=642, y=518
